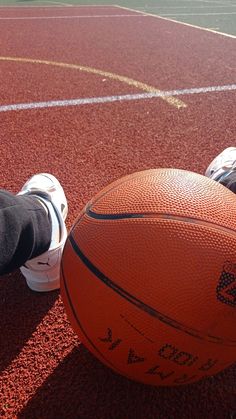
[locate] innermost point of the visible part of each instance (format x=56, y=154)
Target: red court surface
x=45, y=371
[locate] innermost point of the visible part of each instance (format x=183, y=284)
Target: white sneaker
x=42, y=273
x=223, y=168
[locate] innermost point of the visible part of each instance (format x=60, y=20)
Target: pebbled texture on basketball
x=148, y=276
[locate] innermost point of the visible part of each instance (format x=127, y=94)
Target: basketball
x=148, y=277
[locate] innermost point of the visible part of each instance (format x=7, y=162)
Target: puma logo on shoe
x=44, y=263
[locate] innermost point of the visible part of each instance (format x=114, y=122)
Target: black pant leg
x=25, y=230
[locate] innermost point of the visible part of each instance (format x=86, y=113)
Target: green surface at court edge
x=219, y=15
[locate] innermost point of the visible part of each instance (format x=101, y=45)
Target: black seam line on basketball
x=83, y=330
x=121, y=216
x=161, y=216
x=141, y=305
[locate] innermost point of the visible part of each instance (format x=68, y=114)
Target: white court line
x=198, y=14
x=201, y=28
x=213, y=2
x=56, y=2
x=69, y=17
x=74, y=6
x=116, y=98
x=185, y=7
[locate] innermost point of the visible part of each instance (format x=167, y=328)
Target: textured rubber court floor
x=91, y=94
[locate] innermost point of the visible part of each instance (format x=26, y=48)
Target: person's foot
x=223, y=168
x=42, y=273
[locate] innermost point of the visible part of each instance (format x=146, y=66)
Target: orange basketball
x=149, y=277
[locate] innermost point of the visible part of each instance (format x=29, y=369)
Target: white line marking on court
x=116, y=98
x=69, y=17
x=198, y=14
x=213, y=2
x=176, y=21
x=74, y=6
x=56, y=2
x=185, y=7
